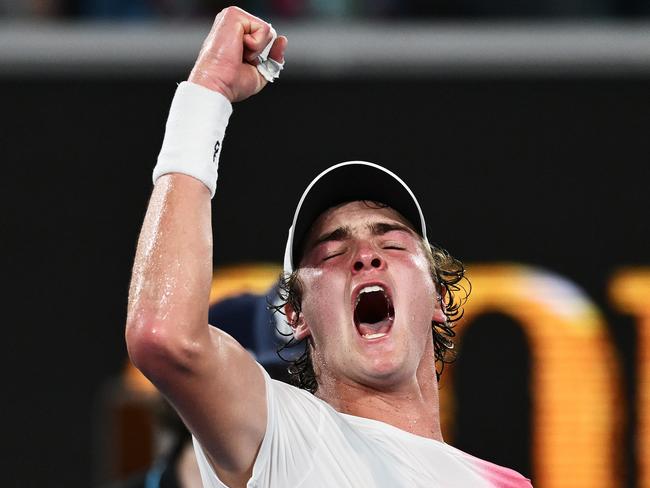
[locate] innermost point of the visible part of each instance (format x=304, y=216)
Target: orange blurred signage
x=578, y=409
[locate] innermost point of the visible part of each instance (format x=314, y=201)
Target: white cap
x=347, y=182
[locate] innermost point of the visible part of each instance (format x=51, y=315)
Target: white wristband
x=194, y=134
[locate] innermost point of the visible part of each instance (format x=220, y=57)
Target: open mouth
x=373, y=312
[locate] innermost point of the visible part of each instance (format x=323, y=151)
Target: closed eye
x=333, y=255
x=395, y=246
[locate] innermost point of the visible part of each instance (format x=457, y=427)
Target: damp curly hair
x=451, y=283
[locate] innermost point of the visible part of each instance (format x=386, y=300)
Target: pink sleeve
x=499, y=476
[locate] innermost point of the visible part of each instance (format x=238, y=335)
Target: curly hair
x=448, y=274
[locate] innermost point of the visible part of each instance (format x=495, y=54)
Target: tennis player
x=372, y=299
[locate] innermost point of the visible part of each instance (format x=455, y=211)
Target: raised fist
x=228, y=57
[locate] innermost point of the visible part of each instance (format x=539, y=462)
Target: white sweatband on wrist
x=194, y=133
x=269, y=68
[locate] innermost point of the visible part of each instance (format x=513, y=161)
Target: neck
x=413, y=407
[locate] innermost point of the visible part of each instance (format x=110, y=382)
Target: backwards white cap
x=347, y=182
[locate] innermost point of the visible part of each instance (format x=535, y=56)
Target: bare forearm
x=172, y=270
x=173, y=265
x=200, y=369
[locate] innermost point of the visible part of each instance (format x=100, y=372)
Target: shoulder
x=292, y=407
x=499, y=476
x=291, y=395
x=290, y=439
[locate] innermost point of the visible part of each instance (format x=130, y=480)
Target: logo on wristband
x=216, y=151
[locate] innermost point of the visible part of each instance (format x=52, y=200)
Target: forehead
x=355, y=213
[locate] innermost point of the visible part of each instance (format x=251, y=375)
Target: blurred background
x=521, y=126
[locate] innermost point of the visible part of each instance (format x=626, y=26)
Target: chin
x=387, y=371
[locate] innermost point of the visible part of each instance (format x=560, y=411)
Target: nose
x=367, y=259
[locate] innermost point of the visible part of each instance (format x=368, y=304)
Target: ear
x=440, y=307
x=297, y=323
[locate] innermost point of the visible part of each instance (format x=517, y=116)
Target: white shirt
x=308, y=444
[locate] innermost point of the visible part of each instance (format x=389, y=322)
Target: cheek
x=420, y=261
x=421, y=264
x=320, y=293
x=423, y=290
x=311, y=279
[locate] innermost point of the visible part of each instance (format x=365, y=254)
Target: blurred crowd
x=315, y=9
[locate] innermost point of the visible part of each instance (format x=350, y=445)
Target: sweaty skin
x=201, y=370
x=391, y=379
x=235, y=36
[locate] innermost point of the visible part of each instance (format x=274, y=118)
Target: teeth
x=369, y=289
x=374, y=336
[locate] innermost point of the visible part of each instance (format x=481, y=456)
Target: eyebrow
x=381, y=228
x=338, y=234
x=376, y=228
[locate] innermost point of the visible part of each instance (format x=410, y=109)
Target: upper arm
x=219, y=391
x=213, y=382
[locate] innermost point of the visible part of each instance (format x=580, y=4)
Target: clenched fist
x=228, y=57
